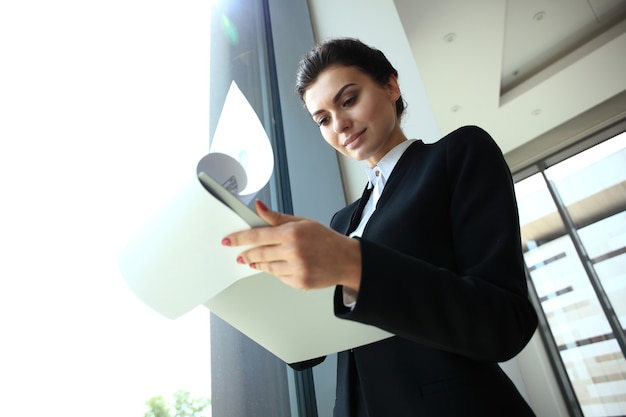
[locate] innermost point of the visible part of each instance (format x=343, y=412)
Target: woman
x=430, y=253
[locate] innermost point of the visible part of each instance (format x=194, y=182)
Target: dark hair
x=348, y=52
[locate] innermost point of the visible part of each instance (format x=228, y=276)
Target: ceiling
x=521, y=69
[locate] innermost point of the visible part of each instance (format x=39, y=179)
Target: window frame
x=539, y=167
x=283, y=33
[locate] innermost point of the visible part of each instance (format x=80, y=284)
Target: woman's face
x=356, y=115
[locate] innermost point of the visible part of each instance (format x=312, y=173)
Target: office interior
x=91, y=91
x=511, y=68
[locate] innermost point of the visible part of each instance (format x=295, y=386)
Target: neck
x=394, y=141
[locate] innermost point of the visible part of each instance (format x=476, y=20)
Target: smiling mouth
x=353, y=140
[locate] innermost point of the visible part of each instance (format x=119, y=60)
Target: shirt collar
x=387, y=163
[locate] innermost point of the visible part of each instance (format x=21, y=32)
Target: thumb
x=273, y=218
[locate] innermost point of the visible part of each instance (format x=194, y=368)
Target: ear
x=393, y=88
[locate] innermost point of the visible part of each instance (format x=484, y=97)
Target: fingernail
x=226, y=242
x=261, y=205
x=240, y=260
x=253, y=265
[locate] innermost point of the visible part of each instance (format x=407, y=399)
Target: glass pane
x=117, y=123
x=592, y=186
x=586, y=344
x=605, y=242
x=240, y=368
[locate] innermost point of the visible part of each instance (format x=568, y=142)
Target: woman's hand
x=300, y=252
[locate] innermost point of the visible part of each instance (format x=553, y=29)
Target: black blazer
x=442, y=269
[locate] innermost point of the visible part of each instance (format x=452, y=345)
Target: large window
x=104, y=116
x=257, y=44
x=105, y=111
x=573, y=220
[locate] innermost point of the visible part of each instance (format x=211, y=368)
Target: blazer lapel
x=357, y=214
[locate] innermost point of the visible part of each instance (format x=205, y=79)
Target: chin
x=357, y=155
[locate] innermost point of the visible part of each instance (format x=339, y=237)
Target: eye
x=349, y=101
x=322, y=121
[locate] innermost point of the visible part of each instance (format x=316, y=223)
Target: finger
x=281, y=270
x=261, y=235
x=271, y=217
x=252, y=237
x=260, y=254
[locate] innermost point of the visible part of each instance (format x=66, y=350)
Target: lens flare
x=230, y=29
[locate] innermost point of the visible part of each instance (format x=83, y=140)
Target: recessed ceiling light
x=449, y=37
x=536, y=112
x=455, y=109
x=539, y=16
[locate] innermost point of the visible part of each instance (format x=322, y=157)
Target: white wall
x=541, y=385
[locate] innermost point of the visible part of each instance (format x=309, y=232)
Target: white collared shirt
x=384, y=168
x=377, y=177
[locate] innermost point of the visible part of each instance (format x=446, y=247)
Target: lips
x=353, y=140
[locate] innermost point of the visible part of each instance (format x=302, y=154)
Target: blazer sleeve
x=479, y=306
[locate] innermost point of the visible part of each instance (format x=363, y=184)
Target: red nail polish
x=261, y=205
x=226, y=242
x=253, y=265
x=240, y=260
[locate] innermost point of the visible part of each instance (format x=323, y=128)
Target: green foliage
x=158, y=407
x=183, y=406
x=189, y=407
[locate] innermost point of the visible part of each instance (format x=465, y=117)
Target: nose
x=341, y=123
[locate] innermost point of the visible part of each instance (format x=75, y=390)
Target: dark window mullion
x=304, y=384
x=305, y=393
x=596, y=284
x=285, y=203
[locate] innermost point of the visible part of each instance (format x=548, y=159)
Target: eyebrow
x=336, y=97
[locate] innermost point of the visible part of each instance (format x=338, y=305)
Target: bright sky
x=103, y=115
